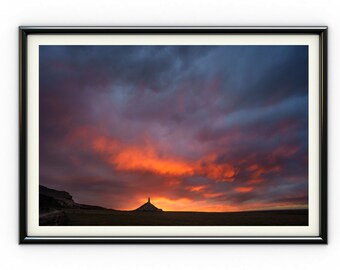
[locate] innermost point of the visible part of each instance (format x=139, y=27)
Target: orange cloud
x=212, y=194
x=171, y=182
x=197, y=188
x=101, y=144
x=244, y=189
x=146, y=158
x=258, y=170
x=220, y=172
x=255, y=181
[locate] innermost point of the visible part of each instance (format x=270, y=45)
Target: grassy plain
x=85, y=217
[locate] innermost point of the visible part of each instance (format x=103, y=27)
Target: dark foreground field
x=84, y=217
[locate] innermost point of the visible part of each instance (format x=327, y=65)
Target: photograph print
x=173, y=135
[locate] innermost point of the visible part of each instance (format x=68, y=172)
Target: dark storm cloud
x=216, y=125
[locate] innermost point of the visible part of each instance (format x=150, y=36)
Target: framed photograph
x=173, y=134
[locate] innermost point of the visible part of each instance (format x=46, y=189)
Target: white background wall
x=158, y=12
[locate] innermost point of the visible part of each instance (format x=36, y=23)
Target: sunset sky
x=200, y=128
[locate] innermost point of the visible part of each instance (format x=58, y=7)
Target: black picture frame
x=25, y=31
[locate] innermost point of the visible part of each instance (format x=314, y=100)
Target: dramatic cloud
x=204, y=128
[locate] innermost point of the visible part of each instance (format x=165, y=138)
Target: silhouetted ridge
x=148, y=207
x=53, y=203
x=51, y=199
